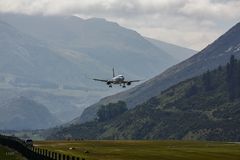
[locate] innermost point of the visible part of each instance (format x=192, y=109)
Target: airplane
x=119, y=79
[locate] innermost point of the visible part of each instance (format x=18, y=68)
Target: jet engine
x=108, y=82
x=128, y=83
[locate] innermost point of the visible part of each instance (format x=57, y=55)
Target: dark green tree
x=232, y=78
x=207, y=81
x=193, y=90
x=238, y=80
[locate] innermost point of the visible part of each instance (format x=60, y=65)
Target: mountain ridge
x=86, y=36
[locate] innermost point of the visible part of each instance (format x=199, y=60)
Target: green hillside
x=206, y=107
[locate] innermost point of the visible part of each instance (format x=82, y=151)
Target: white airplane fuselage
x=118, y=79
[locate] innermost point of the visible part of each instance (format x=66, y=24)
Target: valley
x=119, y=80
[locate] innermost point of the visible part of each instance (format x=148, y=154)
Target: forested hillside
x=205, y=107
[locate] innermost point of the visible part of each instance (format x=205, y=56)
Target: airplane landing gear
x=124, y=86
x=110, y=86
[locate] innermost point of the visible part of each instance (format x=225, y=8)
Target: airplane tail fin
x=113, y=72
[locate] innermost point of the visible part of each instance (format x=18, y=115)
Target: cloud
x=191, y=23
x=207, y=9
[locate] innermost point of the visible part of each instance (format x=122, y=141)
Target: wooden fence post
x=49, y=154
x=53, y=155
x=59, y=156
x=56, y=157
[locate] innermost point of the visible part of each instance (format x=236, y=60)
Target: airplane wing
x=131, y=81
x=135, y=81
x=101, y=80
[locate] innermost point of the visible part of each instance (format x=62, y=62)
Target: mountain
x=205, y=107
x=29, y=62
x=52, y=59
x=21, y=113
x=94, y=42
x=62, y=105
x=29, y=65
x=179, y=53
x=215, y=54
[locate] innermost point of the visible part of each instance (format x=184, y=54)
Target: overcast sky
x=189, y=23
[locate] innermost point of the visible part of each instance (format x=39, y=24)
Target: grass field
x=8, y=154
x=145, y=150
